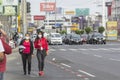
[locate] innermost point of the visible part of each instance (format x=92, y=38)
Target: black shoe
x=29, y=73
x=24, y=73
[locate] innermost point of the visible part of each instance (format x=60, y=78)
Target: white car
x=55, y=38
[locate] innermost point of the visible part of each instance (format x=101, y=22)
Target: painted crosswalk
x=88, y=49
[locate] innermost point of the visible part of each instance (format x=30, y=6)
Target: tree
x=63, y=32
x=88, y=30
x=101, y=29
x=82, y=31
x=77, y=32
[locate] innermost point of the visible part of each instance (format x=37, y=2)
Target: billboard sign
x=112, y=32
x=70, y=12
x=10, y=2
x=82, y=11
x=10, y=10
x=48, y=6
x=39, y=17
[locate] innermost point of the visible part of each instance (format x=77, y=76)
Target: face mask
x=27, y=37
x=39, y=36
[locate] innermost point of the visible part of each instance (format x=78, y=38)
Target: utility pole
x=103, y=15
x=55, y=11
x=23, y=6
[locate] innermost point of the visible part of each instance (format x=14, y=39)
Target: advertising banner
x=10, y=2
x=10, y=10
x=39, y=17
x=112, y=32
x=47, y=7
x=82, y=11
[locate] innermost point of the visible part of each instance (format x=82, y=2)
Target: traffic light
x=28, y=7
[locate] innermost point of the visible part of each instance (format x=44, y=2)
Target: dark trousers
x=26, y=58
x=41, y=58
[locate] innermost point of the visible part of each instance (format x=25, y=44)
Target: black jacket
x=31, y=47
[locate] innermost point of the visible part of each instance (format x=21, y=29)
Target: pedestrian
x=41, y=45
x=27, y=53
x=3, y=36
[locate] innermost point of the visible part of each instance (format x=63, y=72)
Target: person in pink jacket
x=3, y=62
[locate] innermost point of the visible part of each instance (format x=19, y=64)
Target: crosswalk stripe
x=92, y=49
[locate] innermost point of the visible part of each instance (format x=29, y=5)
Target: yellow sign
x=19, y=23
x=74, y=26
x=69, y=12
x=112, y=28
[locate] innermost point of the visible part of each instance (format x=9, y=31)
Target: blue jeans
x=1, y=75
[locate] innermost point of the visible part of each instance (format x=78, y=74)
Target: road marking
x=83, y=49
x=66, y=65
x=53, y=59
x=63, y=49
x=73, y=49
x=52, y=50
x=114, y=59
x=94, y=49
x=98, y=56
x=114, y=48
x=103, y=49
x=86, y=73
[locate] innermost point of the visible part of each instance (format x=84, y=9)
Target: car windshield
x=56, y=35
x=98, y=35
x=76, y=36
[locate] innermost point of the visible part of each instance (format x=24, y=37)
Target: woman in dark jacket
x=27, y=52
x=42, y=50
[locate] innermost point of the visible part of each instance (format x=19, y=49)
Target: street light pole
x=103, y=15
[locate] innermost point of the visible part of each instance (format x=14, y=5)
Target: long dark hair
x=42, y=33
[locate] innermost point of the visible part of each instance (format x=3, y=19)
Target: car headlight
x=103, y=38
x=95, y=38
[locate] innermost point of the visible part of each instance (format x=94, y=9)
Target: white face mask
x=27, y=37
x=39, y=36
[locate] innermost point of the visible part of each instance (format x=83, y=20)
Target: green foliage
x=79, y=31
x=101, y=29
x=82, y=31
x=88, y=30
x=63, y=32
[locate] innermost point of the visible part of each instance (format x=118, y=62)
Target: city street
x=72, y=62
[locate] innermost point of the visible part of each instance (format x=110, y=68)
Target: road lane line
x=98, y=56
x=86, y=73
x=52, y=50
x=114, y=59
x=63, y=49
x=73, y=49
x=83, y=49
x=66, y=65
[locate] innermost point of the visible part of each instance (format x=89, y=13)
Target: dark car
x=73, y=39
x=96, y=38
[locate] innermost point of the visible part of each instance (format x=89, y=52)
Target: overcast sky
x=92, y=4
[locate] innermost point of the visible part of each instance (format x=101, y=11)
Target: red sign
x=48, y=6
x=37, y=17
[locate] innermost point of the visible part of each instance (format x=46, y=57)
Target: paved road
x=72, y=62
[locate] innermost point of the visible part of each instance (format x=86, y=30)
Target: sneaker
x=41, y=73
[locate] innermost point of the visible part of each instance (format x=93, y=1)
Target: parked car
x=96, y=38
x=54, y=38
x=73, y=39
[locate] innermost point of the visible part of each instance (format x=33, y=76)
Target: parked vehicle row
x=72, y=38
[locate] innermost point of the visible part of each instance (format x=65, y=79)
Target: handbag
x=1, y=57
x=7, y=48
